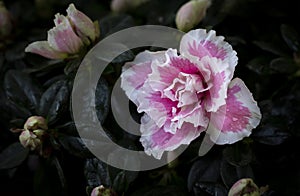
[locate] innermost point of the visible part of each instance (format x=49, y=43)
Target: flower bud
x=102, y=191
x=190, y=14
x=35, y=122
x=29, y=140
x=5, y=21
x=125, y=5
x=244, y=187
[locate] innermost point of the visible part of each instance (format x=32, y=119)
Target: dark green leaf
x=271, y=47
x=238, y=155
x=75, y=146
x=46, y=180
x=206, y=169
x=260, y=65
x=96, y=173
x=270, y=134
x=283, y=65
x=54, y=101
x=13, y=156
x=230, y=174
x=291, y=37
x=21, y=89
x=120, y=183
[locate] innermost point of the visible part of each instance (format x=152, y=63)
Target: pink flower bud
x=191, y=14
x=244, y=187
x=5, y=21
x=35, y=122
x=29, y=140
x=102, y=191
x=84, y=26
x=125, y=5
x=68, y=37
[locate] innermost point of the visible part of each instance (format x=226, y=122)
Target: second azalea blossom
x=69, y=35
x=179, y=94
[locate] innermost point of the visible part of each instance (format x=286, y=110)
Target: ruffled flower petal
x=218, y=81
x=235, y=120
x=156, y=140
x=62, y=37
x=135, y=73
x=84, y=25
x=43, y=48
x=199, y=43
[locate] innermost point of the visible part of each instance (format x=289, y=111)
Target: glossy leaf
x=21, y=89
x=54, y=101
x=231, y=174
x=283, y=65
x=206, y=169
x=13, y=156
x=75, y=146
x=96, y=173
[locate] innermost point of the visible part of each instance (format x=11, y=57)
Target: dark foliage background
x=265, y=34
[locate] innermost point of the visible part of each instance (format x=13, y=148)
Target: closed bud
x=29, y=140
x=191, y=14
x=244, y=187
x=35, y=122
x=125, y=5
x=5, y=21
x=102, y=191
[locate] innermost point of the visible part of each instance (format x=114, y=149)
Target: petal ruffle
x=43, y=48
x=235, y=120
x=156, y=140
x=217, y=82
x=136, y=72
x=84, y=25
x=199, y=43
x=62, y=37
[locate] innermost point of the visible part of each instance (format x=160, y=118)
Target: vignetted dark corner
x=232, y=84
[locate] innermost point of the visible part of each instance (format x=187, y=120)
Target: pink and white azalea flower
x=180, y=93
x=69, y=35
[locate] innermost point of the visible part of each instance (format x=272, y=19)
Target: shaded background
x=265, y=35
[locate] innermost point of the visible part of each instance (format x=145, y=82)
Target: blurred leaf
x=46, y=180
x=21, y=89
x=113, y=23
x=230, y=174
x=75, y=146
x=206, y=169
x=54, y=101
x=270, y=134
x=291, y=37
x=13, y=156
x=260, y=65
x=284, y=65
x=96, y=173
x=238, y=155
x=271, y=47
x=120, y=183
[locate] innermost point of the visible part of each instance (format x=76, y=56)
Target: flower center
x=185, y=89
